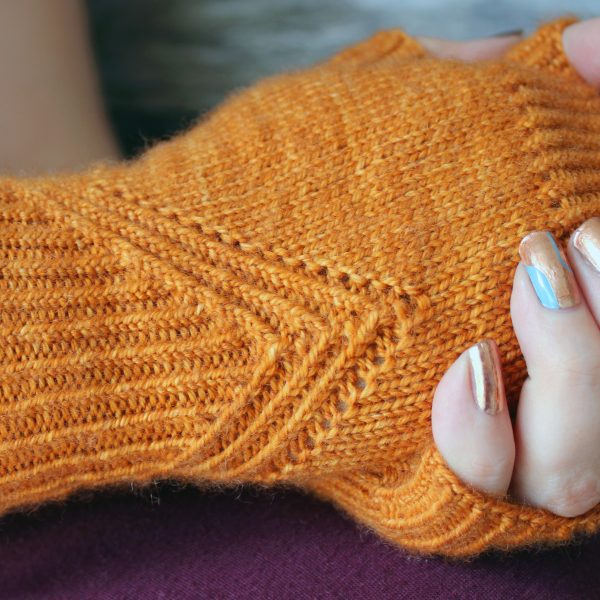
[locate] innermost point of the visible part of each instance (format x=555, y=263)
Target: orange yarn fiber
x=273, y=296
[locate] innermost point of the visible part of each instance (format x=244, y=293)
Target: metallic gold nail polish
x=486, y=377
x=586, y=240
x=548, y=271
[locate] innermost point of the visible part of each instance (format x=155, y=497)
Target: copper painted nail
x=548, y=270
x=486, y=377
x=586, y=240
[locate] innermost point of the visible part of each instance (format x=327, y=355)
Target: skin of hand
x=550, y=457
x=50, y=92
x=51, y=111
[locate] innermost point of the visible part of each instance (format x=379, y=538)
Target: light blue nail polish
x=550, y=274
x=542, y=287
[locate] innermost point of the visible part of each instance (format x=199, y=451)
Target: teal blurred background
x=164, y=62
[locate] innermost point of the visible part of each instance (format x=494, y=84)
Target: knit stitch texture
x=273, y=296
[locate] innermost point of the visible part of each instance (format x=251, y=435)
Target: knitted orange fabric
x=273, y=297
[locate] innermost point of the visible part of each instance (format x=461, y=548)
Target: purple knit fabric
x=185, y=544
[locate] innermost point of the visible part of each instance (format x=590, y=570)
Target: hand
x=581, y=42
x=51, y=113
x=550, y=457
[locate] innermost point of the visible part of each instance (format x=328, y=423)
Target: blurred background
x=164, y=62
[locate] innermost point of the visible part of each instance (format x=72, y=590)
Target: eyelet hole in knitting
x=360, y=383
x=341, y=406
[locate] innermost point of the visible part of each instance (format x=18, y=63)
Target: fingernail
x=586, y=240
x=548, y=271
x=486, y=377
x=511, y=33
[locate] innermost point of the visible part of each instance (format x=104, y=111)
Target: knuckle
x=571, y=495
x=571, y=382
x=581, y=369
x=488, y=470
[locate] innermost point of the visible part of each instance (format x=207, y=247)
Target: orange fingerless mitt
x=273, y=296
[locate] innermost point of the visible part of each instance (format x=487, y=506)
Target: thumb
x=472, y=50
x=470, y=421
x=581, y=43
